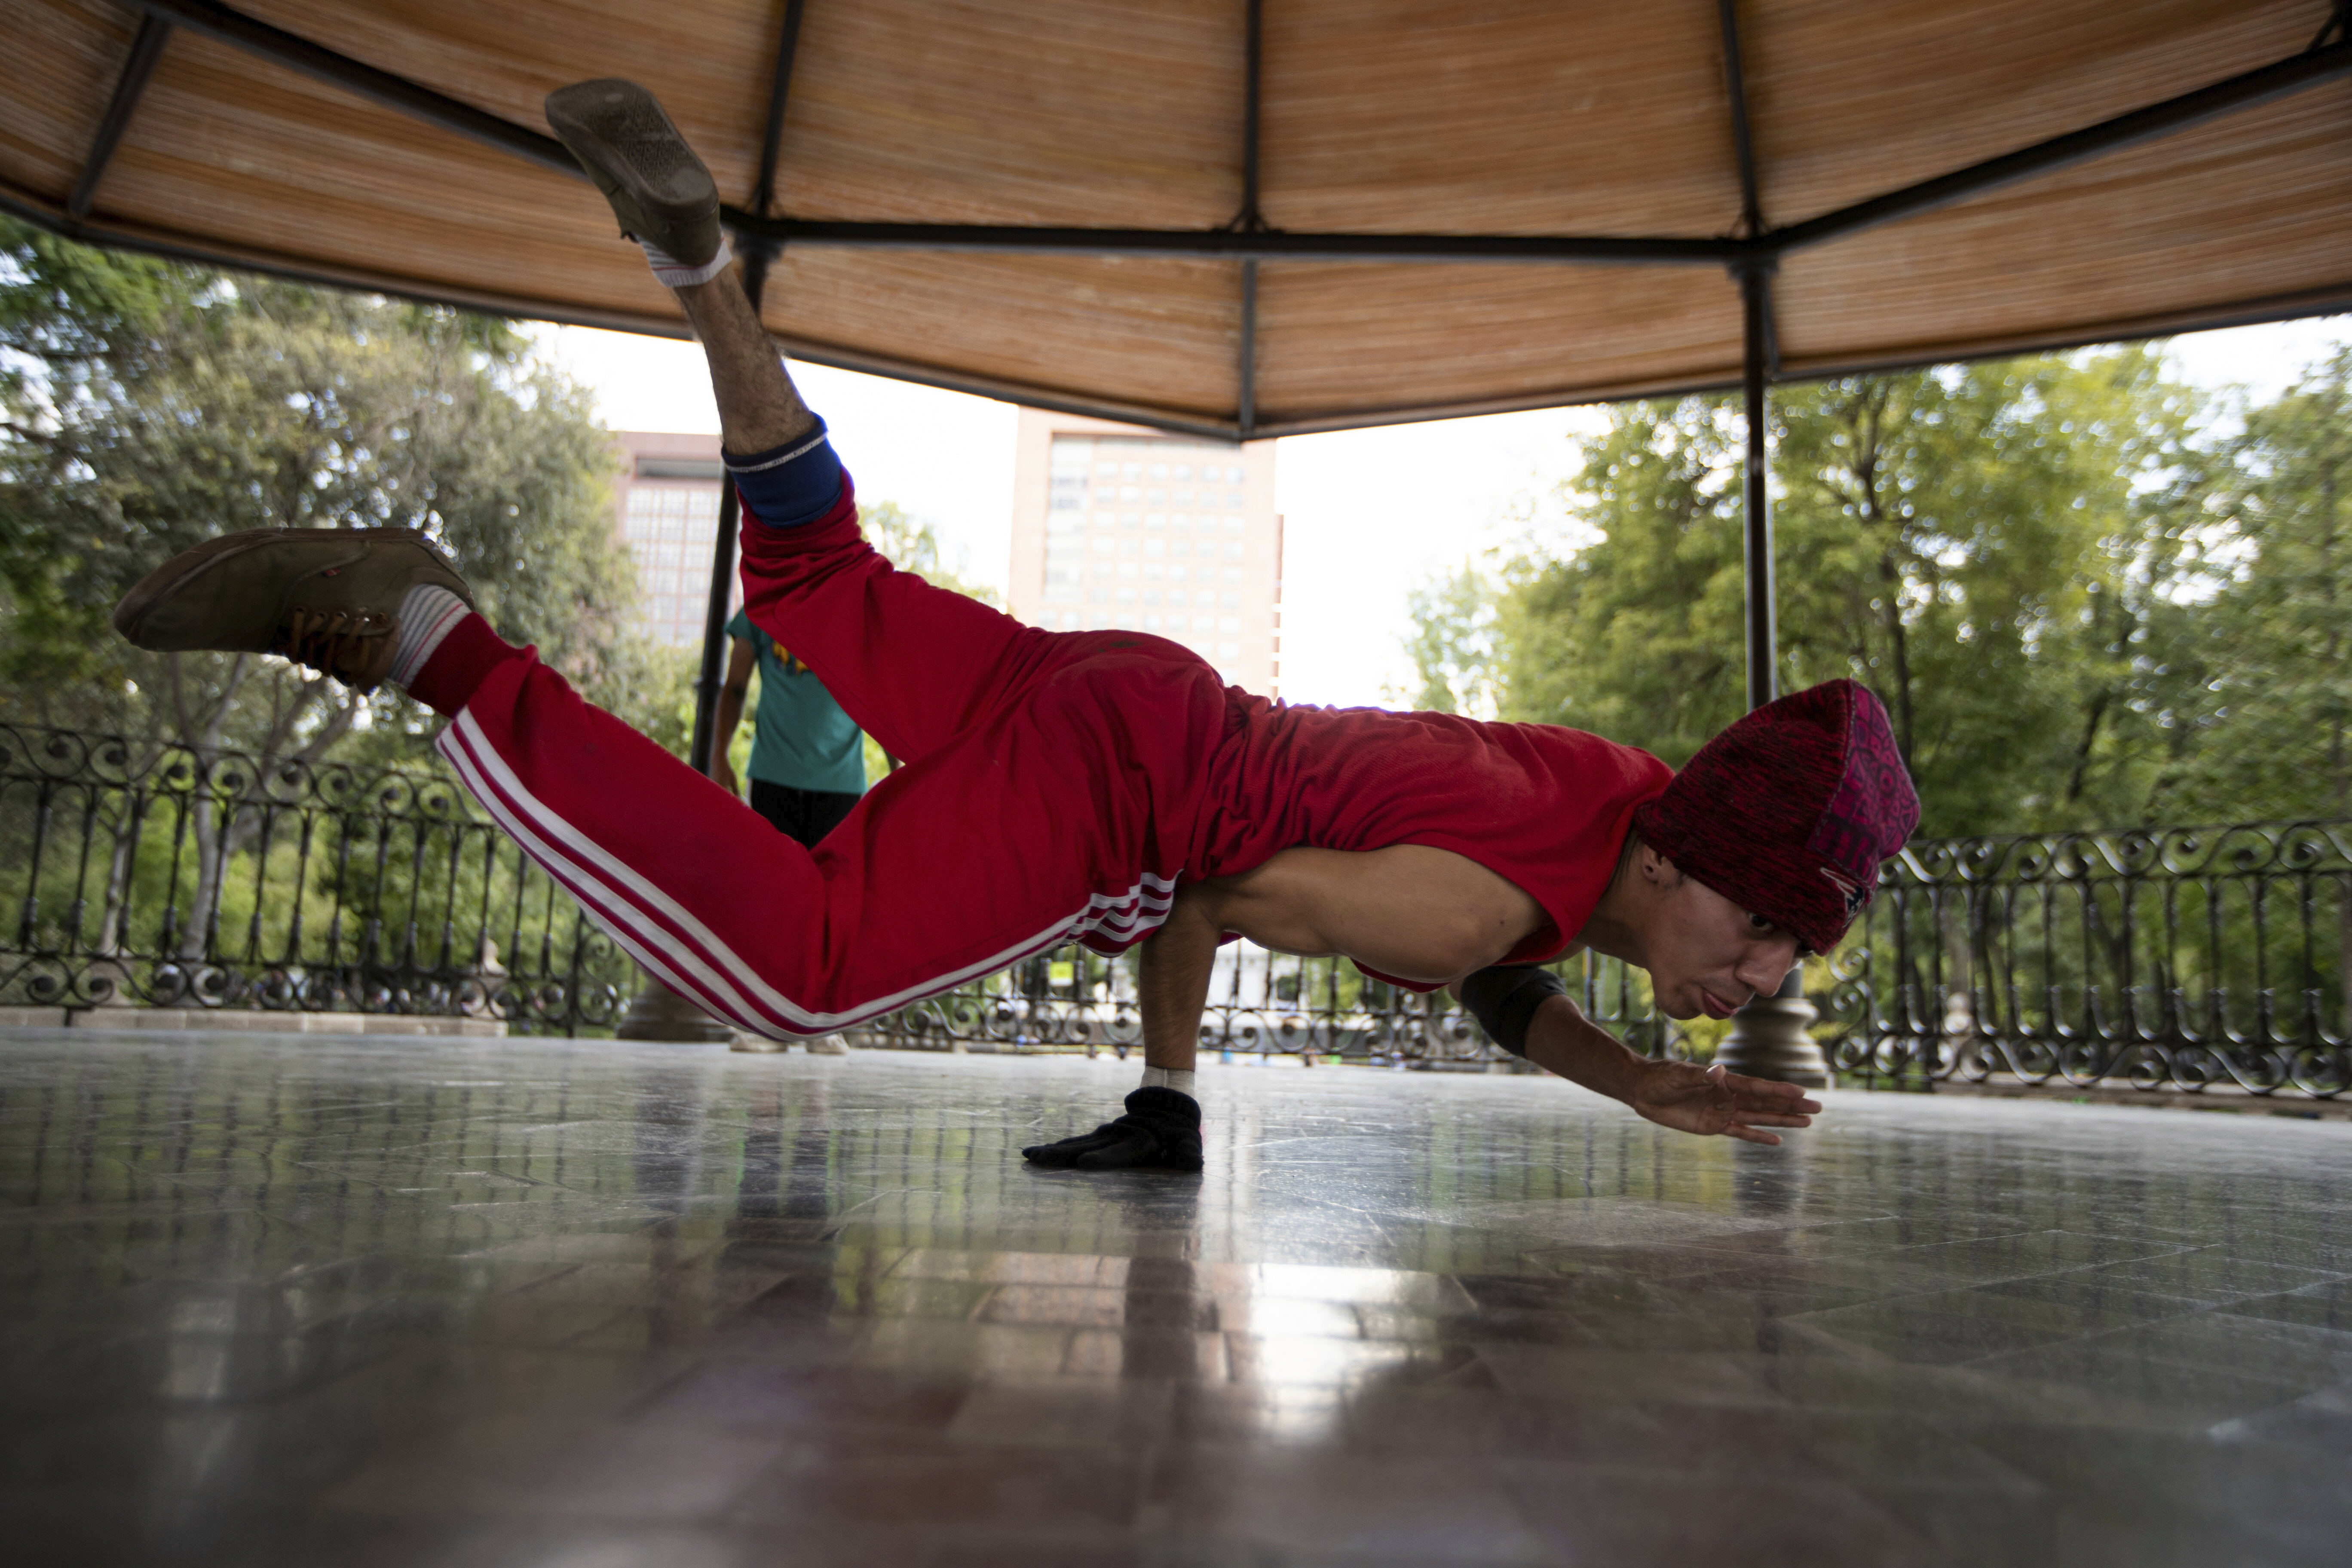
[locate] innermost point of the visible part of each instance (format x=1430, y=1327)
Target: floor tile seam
x=1963, y=1287
x=2092, y=1342
x=2123, y=1329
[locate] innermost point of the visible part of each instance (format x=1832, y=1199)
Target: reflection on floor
x=273, y=1301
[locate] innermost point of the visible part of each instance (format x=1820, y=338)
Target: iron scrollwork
x=150, y=873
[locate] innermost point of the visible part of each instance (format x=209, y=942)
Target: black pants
x=803, y=815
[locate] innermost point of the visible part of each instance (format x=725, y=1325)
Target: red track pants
x=1052, y=788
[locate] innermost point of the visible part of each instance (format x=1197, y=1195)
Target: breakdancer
x=1101, y=787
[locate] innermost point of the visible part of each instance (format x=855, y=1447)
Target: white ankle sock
x=426, y=617
x=676, y=274
x=1177, y=1078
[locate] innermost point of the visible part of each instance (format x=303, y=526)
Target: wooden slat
x=1854, y=98
x=1338, y=341
x=63, y=56
x=1155, y=334
x=1505, y=117
x=2245, y=209
x=1512, y=117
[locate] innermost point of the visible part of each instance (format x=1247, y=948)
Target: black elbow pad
x=1504, y=999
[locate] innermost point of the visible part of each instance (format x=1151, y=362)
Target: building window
x=1232, y=601
x=1101, y=595
x=1126, y=596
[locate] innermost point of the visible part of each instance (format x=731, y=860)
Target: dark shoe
x=659, y=188
x=1161, y=1130
x=325, y=597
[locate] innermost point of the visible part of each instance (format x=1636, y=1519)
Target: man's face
x=1708, y=955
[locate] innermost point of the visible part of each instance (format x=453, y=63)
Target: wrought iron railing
x=153, y=873
x=1260, y=1003
x=2181, y=958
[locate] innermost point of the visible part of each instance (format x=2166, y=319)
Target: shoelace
x=334, y=642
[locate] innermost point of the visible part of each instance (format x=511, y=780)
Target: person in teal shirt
x=808, y=757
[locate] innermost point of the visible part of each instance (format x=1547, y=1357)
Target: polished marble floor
x=308, y=1301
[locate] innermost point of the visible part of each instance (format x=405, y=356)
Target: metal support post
x=1768, y=1037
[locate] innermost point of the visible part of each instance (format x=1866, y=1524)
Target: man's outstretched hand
x=1161, y=1130
x=1690, y=1097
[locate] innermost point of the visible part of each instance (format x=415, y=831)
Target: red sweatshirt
x=1543, y=806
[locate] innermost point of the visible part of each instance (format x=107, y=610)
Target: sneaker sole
x=628, y=145
x=130, y=613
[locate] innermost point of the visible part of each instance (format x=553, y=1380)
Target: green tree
x=1988, y=547
x=2274, y=653
x=913, y=545
x=153, y=405
x=1452, y=644
x=149, y=406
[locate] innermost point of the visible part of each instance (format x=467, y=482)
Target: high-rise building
x=665, y=506
x=1118, y=526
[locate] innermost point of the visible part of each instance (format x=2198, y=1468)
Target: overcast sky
x=1369, y=513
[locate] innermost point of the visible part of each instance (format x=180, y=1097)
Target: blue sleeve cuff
x=787, y=485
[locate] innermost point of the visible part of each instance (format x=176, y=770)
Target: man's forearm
x=1173, y=980
x=723, y=723
x=1562, y=1040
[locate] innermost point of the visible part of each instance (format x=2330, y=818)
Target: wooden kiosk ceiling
x=1252, y=217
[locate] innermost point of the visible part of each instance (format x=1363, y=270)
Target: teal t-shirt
x=800, y=737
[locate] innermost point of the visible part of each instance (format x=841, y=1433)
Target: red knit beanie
x=1788, y=812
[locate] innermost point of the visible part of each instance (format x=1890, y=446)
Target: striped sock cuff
x=787, y=485
x=673, y=273
x=426, y=617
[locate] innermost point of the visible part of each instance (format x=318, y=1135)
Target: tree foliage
x=1452, y=644
x=2079, y=605
x=2273, y=643
x=149, y=406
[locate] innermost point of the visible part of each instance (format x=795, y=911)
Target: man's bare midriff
x=1415, y=912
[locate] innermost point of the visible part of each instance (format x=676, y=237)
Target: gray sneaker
x=659, y=188
x=325, y=597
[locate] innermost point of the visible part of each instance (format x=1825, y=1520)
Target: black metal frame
x=138, y=70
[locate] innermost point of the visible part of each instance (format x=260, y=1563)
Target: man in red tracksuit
x=1099, y=787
